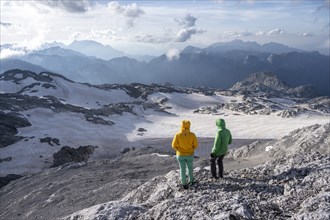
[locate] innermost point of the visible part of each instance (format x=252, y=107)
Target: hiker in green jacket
x=220, y=148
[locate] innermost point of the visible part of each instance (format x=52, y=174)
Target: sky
x=156, y=27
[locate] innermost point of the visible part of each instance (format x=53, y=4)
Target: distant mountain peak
x=86, y=42
x=59, y=51
x=237, y=44
x=96, y=49
x=191, y=49
x=260, y=81
x=269, y=83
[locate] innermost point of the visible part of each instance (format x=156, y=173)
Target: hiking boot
x=185, y=186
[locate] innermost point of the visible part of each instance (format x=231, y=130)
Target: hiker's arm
x=217, y=143
x=175, y=143
x=195, y=144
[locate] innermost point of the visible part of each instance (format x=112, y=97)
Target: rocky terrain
x=73, y=186
x=300, y=141
x=263, y=93
x=294, y=187
x=144, y=184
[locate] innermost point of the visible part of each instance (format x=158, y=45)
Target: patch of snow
x=19, y=76
x=81, y=95
x=283, y=101
x=160, y=155
x=268, y=148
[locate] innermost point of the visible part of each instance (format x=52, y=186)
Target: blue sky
x=154, y=27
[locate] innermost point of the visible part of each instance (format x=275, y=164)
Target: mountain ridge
x=194, y=67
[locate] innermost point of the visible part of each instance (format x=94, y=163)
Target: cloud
x=260, y=33
x=130, y=12
x=6, y=53
x=187, y=21
x=173, y=54
x=103, y=34
x=76, y=36
x=275, y=32
x=94, y=34
x=234, y=34
x=188, y=30
x=185, y=34
x=148, y=38
x=76, y=6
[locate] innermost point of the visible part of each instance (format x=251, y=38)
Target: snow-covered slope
x=67, y=91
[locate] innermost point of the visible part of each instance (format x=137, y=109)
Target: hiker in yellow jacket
x=185, y=143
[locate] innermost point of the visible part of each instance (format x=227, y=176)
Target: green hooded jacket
x=222, y=139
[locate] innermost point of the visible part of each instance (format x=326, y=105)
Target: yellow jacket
x=185, y=142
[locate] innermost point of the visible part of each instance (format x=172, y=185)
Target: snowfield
x=73, y=130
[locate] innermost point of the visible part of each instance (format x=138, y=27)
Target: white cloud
x=275, y=32
x=188, y=30
x=76, y=36
x=260, y=33
x=173, y=54
x=185, y=34
x=148, y=38
x=103, y=34
x=132, y=10
x=129, y=12
x=76, y=6
x=94, y=34
x=187, y=21
x=234, y=34
x=6, y=53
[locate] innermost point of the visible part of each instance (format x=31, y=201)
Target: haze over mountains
x=220, y=65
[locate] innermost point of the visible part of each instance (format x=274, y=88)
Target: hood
x=185, y=125
x=221, y=123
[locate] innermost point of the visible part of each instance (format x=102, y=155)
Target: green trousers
x=186, y=161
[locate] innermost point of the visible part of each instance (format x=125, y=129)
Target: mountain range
x=220, y=65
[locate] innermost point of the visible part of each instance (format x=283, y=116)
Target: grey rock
x=68, y=155
x=50, y=141
x=9, y=122
x=7, y=179
x=7, y=159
